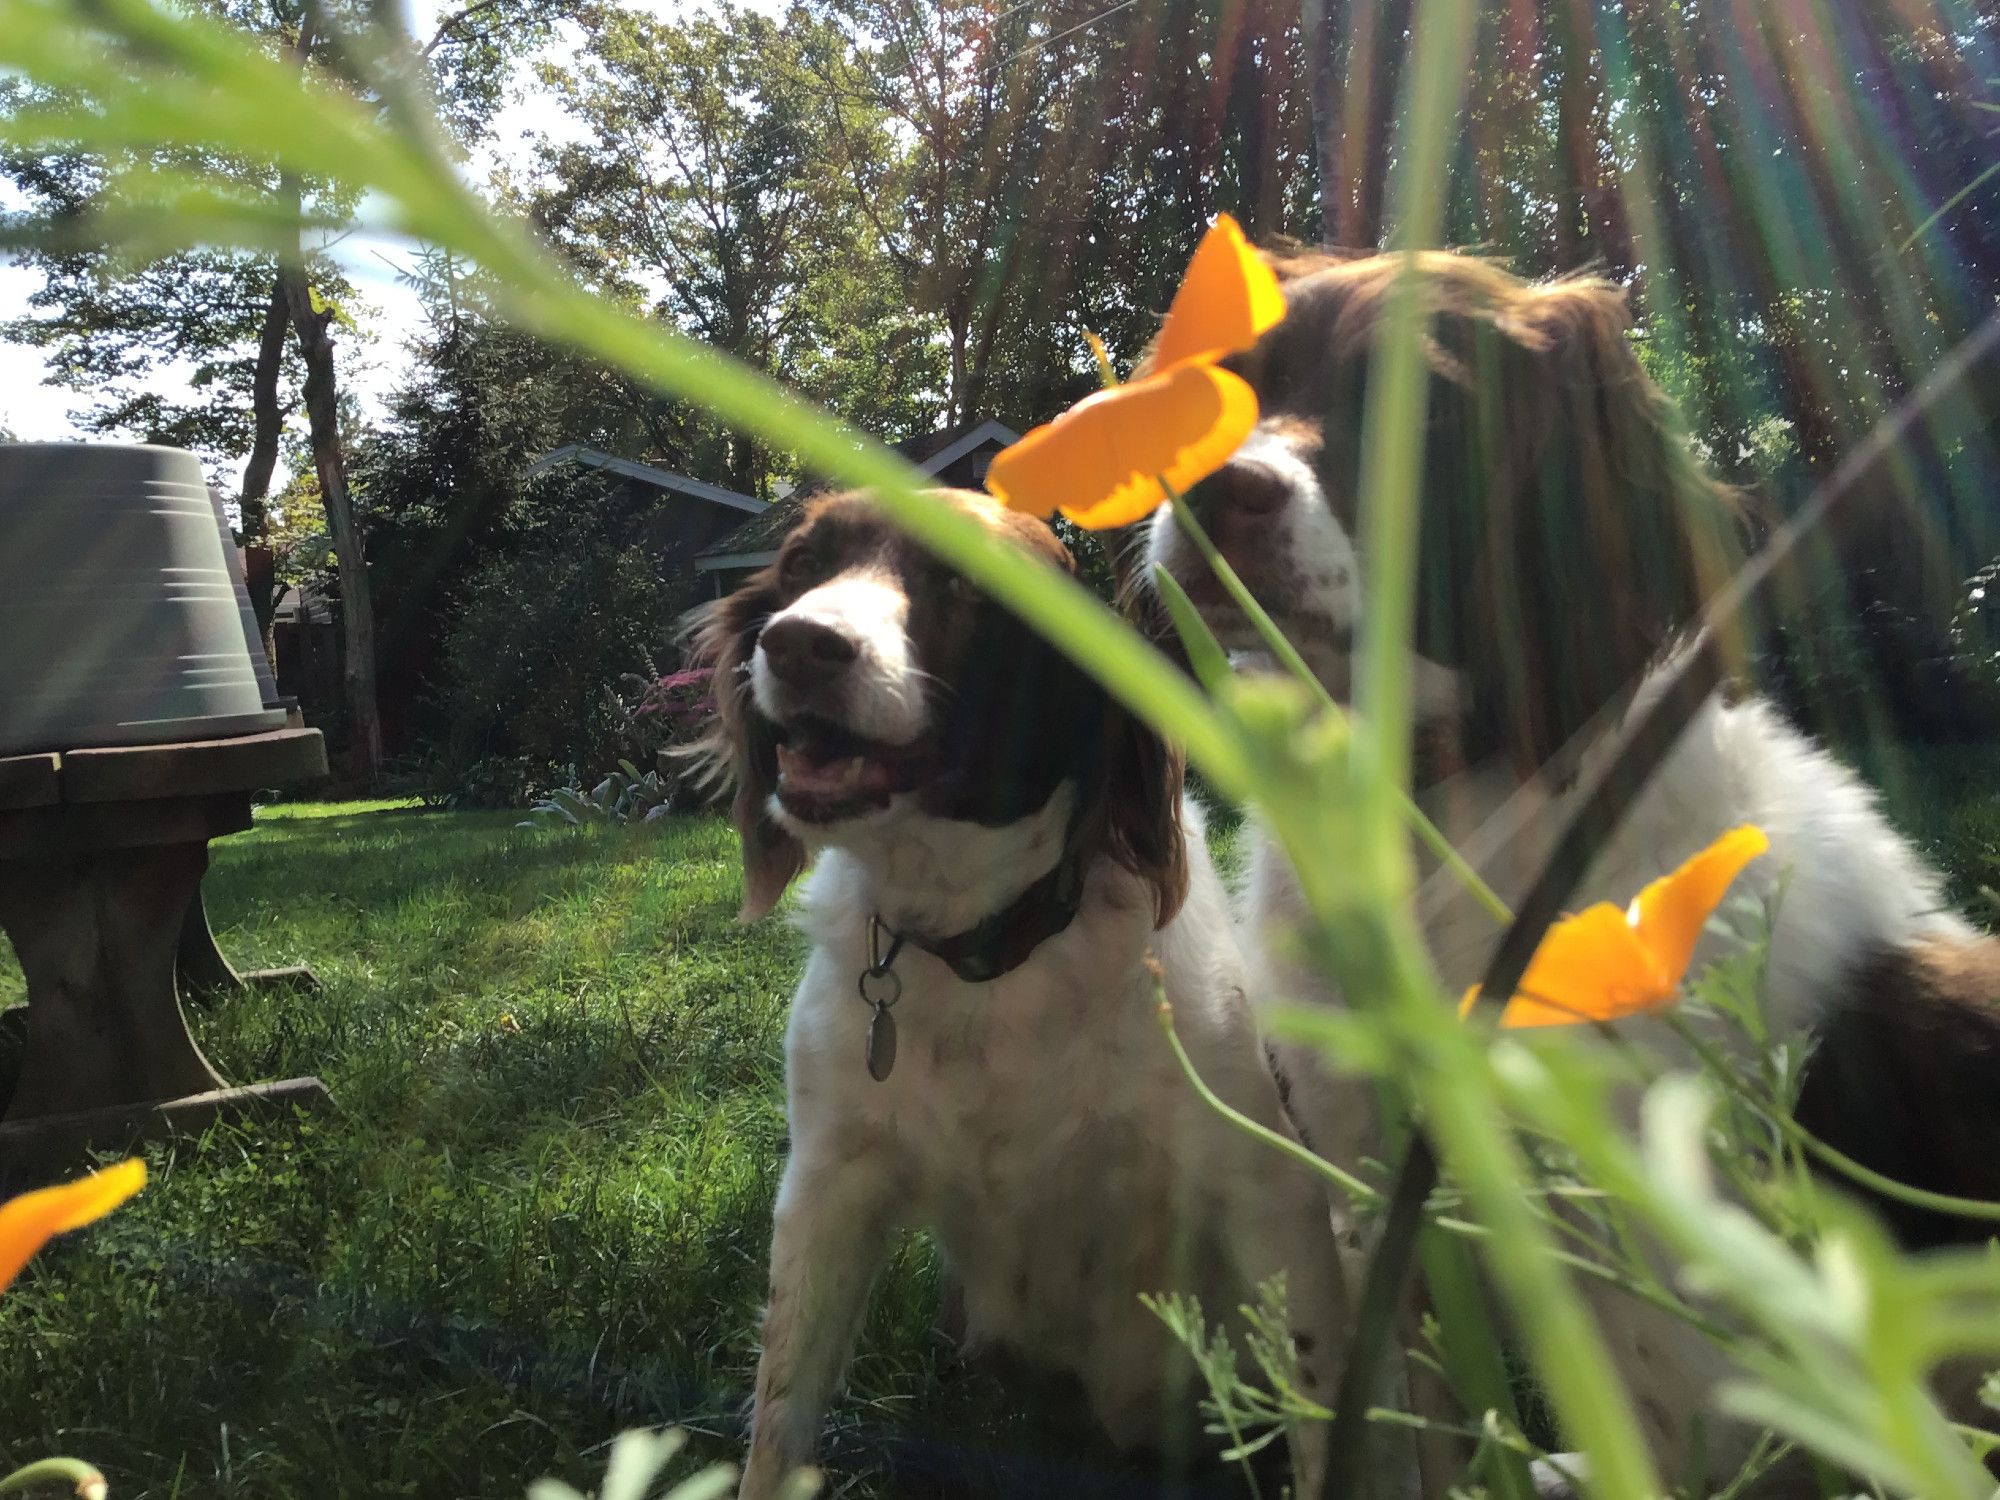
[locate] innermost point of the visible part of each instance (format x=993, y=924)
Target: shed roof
x=752, y=544
x=664, y=479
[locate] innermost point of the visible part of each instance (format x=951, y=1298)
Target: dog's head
x=1566, y=532
x=859, y=680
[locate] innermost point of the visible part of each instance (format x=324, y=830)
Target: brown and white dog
x=1567, y=535
x=1010, y=854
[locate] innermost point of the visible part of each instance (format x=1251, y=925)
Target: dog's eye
x=798, y=567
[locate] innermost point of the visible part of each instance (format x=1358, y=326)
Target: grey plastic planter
x=119, y=619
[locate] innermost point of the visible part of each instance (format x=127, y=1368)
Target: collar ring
x=880, y=988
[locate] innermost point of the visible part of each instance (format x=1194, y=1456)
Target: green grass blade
x=1204, y=651
x=1568, y=1351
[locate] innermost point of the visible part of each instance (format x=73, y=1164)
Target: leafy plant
x=543, y=629
x=662, y=714
x=681, y=703
x=624, y=796
x=633, y=1473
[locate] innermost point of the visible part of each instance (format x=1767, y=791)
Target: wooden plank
x=246, y=763
x=58, y=832
x=36, y=1151
x=29, y=781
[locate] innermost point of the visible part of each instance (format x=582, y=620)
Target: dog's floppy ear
x=1141, y=801
x=739, y=753
x=1570, y=534
x=1128, y=778
x=1139, y=791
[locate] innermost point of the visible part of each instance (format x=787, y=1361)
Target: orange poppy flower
x=1109, y=459
x=1227, y=297
x=1603, y=964
x=29, y=1221
x=1118, y=445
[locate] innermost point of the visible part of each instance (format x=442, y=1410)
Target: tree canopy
x=912, y=210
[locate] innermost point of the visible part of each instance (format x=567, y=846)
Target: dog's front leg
x=829, y=1237
x=1277, y=1222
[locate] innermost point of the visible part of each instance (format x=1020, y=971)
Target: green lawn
x=537, y=1213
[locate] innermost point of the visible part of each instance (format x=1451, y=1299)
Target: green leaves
x=637, y=1460
x=327, y=307
x=1840, y=1342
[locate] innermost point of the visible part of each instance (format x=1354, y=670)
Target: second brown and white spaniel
x=1567, y=537
x=1006, y=875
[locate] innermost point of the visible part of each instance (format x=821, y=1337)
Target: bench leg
x=205, y=972
x=96, y=936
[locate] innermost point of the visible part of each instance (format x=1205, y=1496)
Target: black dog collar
x=1002, y=942
x=996, y=945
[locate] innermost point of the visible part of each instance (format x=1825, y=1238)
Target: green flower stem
x=1968, y=1208
x=1473, y=1361
x=1288, y=656
x=1605, y=1270
x=1356, y=1190
x=1568, y=1351
x=1768, y=1452
x=1446, y=1067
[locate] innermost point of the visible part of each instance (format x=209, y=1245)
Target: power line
x=1072, y=31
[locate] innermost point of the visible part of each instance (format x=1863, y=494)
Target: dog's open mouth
x=826, y=772
x=1219, y=610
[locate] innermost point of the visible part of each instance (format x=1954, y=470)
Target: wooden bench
x=102, y=854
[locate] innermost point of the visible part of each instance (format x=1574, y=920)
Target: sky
x=33, y=411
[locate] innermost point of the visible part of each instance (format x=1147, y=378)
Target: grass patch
x=537, y=1215
x=1947, y=798
x=538, y=1212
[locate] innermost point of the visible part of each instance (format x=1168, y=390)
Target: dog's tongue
x=841, y=776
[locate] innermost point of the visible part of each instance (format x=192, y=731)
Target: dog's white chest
x=1053, y=1179
x=1034, y=1125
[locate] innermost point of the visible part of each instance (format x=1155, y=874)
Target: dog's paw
x=1560, y=1476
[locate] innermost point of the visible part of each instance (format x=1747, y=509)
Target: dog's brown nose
x=803, y=651
x=1247, y=490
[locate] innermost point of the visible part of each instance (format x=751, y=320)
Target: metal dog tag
x=881, y=1043
x=881, y=987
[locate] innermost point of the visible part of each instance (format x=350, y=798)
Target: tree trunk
x=1576, y=156
x=1323, y=23
x=979, y=363
x=1587, y=161
x=743, y=466
x=1321, y=37
x=1375, y=76
x=957, y=321
x=268, y=422
x=357, y=604
x=1258, y=89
